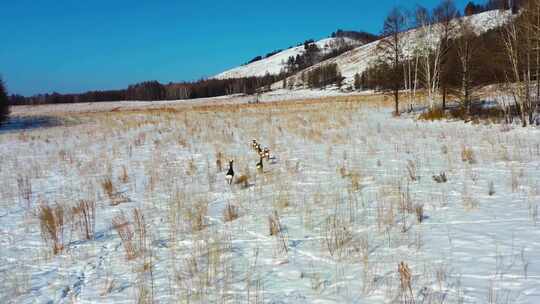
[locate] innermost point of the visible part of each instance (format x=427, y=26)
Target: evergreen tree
x=392, y=48
x=4, y=105
x=357, y=82
x=470, y=9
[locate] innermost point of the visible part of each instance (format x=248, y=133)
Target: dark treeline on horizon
x=361, y=36
x=153, y=90
x=472, y=8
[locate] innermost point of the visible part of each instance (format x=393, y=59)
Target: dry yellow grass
x=51, y=220
x=84, y=217
x=242, y=180
x=467, y=155
x=230, y=213
x=125, y=232
x=274, y=225
x=177, y=154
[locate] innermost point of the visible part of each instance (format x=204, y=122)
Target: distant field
x=127, y=202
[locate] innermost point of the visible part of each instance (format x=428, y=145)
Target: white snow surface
x=344, y=165
x=275, y=64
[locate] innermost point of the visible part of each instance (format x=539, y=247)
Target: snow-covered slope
x=275, y=63
x=359, y=59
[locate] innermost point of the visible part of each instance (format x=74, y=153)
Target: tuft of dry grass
x=141, y=233
x=243, y=181
x=25, y=191
x=230, y=213
x=197, y=216
x=111, y=192
x=405, y=278
x=133, y=235
x=219, y=161
x=276, y=229
x=469, y=203
x=108, y=187
x=476, y=113
x=125, y=232
x=412, y=170
x=192, y=167
x=274, y=224
x=282, y=199
x=514, y=179
x=51, y=221
x=433, y=114
x=343, y=171
x=354, y=177
x=467, y=155
x=444, y=149
x=355, y=181
x=419, y=211
x=84, y=216
x=337, y=235
x=124, y=178
x=405, y=199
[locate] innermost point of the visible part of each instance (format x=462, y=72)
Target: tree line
x=472, y=8
x=356, y=35
x=153, y=90
x=324, y=75
x=449, y=58
x=313, y=55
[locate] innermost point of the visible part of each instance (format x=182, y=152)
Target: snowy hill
x=359, y=59
x=276, y=63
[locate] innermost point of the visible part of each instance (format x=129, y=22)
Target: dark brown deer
x=259, y=165
x=230, y=174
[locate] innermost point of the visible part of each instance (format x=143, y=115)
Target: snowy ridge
x=276, y=63
x=359, y=59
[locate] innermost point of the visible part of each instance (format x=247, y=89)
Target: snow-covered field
x=278, y=95
x=342, y=196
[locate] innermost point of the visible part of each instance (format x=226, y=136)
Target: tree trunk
x=396, y=101
x=444, y=97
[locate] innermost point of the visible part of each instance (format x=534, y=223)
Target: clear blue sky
x=79, y=45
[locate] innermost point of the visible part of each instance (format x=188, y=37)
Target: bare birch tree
x=465, y=47
x=429, y=50
x=521, y=38
x=445, y=14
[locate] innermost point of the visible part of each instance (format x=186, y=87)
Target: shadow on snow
x=21, y=123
